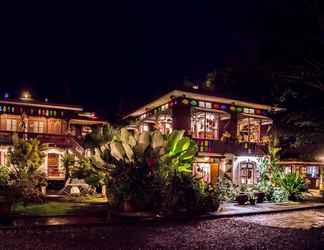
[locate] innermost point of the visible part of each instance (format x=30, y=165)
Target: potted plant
x=252, y=198
x=259, y=196
x=242, y=198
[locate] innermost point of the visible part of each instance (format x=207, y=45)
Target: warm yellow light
x=25, y=95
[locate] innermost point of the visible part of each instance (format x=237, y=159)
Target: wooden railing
x=6, y=137
x=234, y=147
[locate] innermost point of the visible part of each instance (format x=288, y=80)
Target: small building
x=308, y=162
x=232, y=135
x=59, y=126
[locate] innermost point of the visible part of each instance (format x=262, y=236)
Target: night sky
x=111, y=58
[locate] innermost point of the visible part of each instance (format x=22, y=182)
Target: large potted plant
x=242, y=198
x=259, y=196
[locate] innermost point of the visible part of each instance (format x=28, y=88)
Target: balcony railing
x=6, y=137
x=237, y=148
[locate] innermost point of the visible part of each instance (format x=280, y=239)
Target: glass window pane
x=204, y=125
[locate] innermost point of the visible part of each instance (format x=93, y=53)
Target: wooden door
x=53, y=165
x=214, y=173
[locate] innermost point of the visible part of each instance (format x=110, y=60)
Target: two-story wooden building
x=59, y=126
x=232, y=135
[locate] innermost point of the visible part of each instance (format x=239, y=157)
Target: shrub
x=294, y=185
x=227, y=190
x=186, y=193
x=278, y=194
x=25, y=178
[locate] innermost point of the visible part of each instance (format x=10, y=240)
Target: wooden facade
x=57, y=125
x=223, y=128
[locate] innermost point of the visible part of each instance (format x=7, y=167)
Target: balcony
x=219, y=147
x=58, y=140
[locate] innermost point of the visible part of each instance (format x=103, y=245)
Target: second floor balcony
x=233, y=147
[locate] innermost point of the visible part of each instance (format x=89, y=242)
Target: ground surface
x=85, y=205
x=248, y=232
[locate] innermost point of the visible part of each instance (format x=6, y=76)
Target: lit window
x=165, y=123
x=37, y=126
x=204, y=125
x=144, y=127
x=202, y=170
x=288, y=170
x=312, y=171
x=248, y=173
x=11, y=124
x=249, y=130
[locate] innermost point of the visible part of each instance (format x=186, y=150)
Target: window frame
x=194, y=120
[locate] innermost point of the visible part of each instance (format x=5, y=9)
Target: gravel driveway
x=204, y=234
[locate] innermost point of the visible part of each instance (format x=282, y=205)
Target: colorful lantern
x=194, y=103
x=215, y=106
x=185, y=101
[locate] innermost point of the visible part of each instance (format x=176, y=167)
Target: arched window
x=248, y=173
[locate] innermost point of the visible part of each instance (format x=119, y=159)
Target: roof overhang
x=179, y=93
x=87, y=122
x=43, y=105
x=292, y=162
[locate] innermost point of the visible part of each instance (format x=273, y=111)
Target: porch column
x=321, y=175
x=181, y=115
x=232, y=126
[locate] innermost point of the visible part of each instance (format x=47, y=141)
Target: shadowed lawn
x=55, y=208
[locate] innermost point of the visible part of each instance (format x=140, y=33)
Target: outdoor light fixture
x=6, y=95
x=25, y=96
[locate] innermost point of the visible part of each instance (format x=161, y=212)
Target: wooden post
x=181, y=116
x=233, y=126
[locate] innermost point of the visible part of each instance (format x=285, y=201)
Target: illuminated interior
x=249, y=129
x=202, y=170
x=248, y=173
x=204, y=124
x=165, y=123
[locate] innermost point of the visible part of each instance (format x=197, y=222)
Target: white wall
x=236, y=166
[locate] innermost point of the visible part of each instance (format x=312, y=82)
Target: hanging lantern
x=223, y=107
x=185, y=101
x=238, y=109
x=194, y=103
x=232, y=108
x=215, y=106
